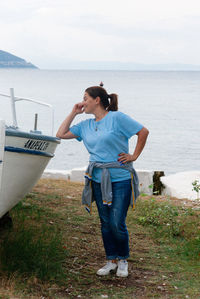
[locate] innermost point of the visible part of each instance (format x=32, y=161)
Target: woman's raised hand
x=78, y=108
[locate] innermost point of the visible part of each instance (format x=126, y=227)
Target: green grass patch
x=33, y=252
x=172, y=225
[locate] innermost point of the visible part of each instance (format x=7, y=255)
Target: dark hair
x=97, y=91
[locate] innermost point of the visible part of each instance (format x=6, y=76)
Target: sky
x=54, y=34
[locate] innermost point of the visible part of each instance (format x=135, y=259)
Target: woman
x=110, y=170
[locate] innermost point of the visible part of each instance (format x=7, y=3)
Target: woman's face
x=89, y=103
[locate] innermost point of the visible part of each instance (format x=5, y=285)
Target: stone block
x=145, y=181
x=56, y=174
x=77, y=175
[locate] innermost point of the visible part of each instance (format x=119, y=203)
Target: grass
x=55, y=248
x=31, y=251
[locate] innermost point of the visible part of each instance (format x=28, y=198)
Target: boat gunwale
x=21, y=134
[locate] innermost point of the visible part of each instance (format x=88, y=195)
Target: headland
x=8, y=60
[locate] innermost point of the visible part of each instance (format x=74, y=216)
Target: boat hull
x=23, y=160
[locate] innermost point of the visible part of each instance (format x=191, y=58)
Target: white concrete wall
x=177, y=185
x=145, y=181
x=77, y=175
x=56, y=174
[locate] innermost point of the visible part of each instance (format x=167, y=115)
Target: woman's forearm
x=63, y=131
x=64, y=127
x=142, y=137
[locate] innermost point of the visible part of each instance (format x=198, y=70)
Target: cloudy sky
x=54, y=33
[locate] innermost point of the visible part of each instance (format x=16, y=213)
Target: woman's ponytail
x=113, y=106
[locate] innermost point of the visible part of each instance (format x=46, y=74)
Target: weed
x=196, y=187
x=159, y=215
x=167, y=221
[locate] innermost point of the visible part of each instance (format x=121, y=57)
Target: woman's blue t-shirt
x=106, y=139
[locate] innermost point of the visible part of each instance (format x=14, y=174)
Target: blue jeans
x=113, y=227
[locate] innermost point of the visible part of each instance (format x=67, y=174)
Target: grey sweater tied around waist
x=106, y=184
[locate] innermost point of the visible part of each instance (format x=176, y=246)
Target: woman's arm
x=63, y=131
x=142, y=137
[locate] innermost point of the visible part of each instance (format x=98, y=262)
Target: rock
x=179, y=185
x=6, y=221
x=157, y=184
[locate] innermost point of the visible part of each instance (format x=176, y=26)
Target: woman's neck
x=100, y=114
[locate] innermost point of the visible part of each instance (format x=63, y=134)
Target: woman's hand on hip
x=124, y=158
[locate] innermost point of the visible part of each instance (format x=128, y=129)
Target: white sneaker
x=122, y=270
x=110, y=266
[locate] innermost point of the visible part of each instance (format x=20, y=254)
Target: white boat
x=23, y=157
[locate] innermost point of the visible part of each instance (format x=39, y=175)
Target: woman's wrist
x=73, y=113
x=134, y=157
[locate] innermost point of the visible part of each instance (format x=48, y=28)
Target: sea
x=167, y=103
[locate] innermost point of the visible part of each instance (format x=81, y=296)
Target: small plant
x=196, y=187
x=162, y=216
x=151, y=186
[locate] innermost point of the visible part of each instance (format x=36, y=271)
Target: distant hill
x=8, y=60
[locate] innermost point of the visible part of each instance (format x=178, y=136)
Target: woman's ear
x=98, y=100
